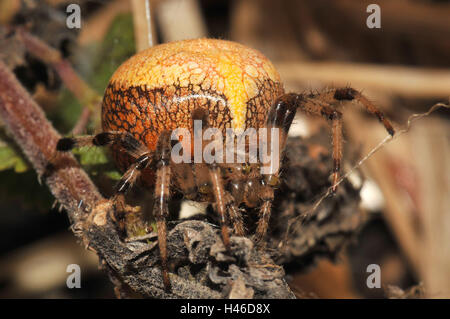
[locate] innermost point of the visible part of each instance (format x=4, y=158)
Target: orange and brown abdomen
x=157, y=89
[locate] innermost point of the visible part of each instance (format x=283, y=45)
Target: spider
x=225, y=85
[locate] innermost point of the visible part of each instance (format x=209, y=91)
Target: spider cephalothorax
x=224, y=85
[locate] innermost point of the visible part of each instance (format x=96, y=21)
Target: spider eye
x=246, y=168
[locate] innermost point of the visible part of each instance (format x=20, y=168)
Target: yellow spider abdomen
x=158, y=88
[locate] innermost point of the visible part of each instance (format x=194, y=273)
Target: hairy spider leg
x=234, y=214
x=127, y=181
x=223, y=201
x=214, y=176
x=161, y=199
x=280, y=117
x=350, y=94
x=161, y=157
x=322, y=104
x=325, y=104
x=124, y=140
x=132, y=174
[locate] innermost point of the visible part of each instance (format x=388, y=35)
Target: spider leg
x=349, y=94
x=209, y=178
x=224, y=202
x=128, y=179
x=131, y=175
x=162, y=196
x=215, y=177
x=280, y=117
x=324, y=104
x=234, y=214
x=123, y=139
x=267, y=195
x=282, y=114
x=220, y=201
x=336, y=129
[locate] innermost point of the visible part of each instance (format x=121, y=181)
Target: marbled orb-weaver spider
x=225, y=85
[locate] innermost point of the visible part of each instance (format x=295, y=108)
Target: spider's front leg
x=162, y=196
x=129, y=179
x=280, y=118
x=223, y=201
x=325, y=104
x=220, y=203
x=135, y=148
x=125, y=141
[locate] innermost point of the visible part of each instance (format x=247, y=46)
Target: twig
x=144, y=25
x=74, y=83
x=180, y=19
x=88, y=98
x=26, y=122
x=82, y=122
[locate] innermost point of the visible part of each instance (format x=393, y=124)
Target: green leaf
x=117, y=47
x=92, y=156
x=10, y=159
x=114, y=175
x=69, y=111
